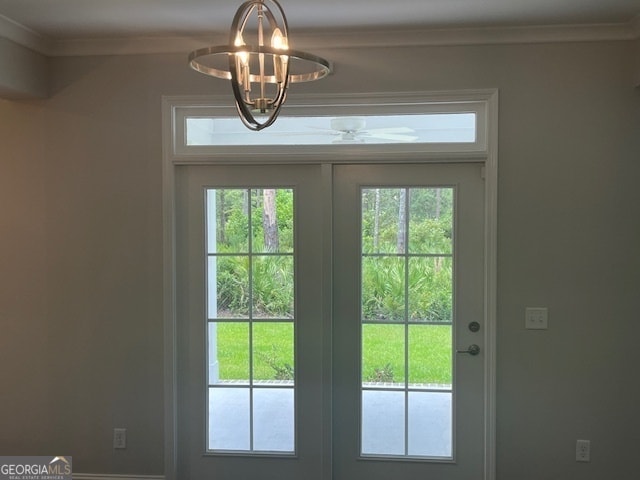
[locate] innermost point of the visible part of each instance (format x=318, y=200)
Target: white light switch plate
x=119, y=438
x=536, y=318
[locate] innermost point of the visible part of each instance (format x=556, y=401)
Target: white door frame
x=174, y=155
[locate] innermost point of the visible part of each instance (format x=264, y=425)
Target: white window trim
x=484, y=150
x=357, y=104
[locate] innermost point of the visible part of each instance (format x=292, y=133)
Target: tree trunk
x=402, y=222
x=438, y=260
x=222, y=221
x=376, y=222
x=270, y=220
x=438, y=202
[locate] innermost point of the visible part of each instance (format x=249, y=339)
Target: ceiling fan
x=353, y=130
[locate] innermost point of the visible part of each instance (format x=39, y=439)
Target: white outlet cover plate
x=583, y=451
x=536, y=318
x=119, y=438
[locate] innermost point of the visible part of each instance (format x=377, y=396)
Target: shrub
x=382, y=374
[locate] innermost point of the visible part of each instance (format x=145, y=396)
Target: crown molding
x=473, y=36
x=332, y=39
x=24, y=36
x=131, y=45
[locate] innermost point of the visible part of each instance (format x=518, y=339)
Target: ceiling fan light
x=348, y=124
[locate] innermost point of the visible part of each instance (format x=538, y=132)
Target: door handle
x=472, y=350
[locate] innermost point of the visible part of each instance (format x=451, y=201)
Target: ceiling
x=105, y=27
x=76, y=19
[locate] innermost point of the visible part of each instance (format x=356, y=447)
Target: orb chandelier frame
x=266, y=64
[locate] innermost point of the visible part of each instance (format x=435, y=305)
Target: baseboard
x=99, y=476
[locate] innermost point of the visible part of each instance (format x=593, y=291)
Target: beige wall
x=25, y=352
x=82, y=287
x=636, y=77
x=24, y=73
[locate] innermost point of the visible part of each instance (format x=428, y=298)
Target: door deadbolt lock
x=472, y=350
x=474, y=326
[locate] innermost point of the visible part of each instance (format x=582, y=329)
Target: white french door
x=320, y=349
x=249, y=323
x=408, y=293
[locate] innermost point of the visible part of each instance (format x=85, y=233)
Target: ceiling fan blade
x=393, y=137
x=324, y=129
x=390, y=130
x=320, y=132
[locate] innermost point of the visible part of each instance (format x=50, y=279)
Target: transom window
x=345, y=125
x=341, y=130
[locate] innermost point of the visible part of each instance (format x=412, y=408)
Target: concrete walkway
x=429, y=414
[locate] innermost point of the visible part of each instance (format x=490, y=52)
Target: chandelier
x=260, y=70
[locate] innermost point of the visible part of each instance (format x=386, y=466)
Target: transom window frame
x=476, y=102
x=176, y=152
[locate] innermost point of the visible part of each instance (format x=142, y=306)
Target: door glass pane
x=430, y=364
x=273, y=417
x=250, y=285
x=229, y=419
x=383, y=422
x=431, y=220
x=407, y=298
x=228, y=352
x=227, y=220
x=430, y=289
x=383, y=288
x=383, y=225
x=272, y=220
x=273, y=352
x=272, y=286
x=430, y=424
x=383, y=355
x=228, y=286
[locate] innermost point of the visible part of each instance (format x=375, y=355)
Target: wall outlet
x=536, y=318
x=119, y=438
x=583, y=450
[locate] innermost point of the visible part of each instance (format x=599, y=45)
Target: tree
x=376, y=223
x=222, y=217
x=270, y=220
x=402, y=221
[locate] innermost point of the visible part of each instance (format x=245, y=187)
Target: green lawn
x=383, y=348
x=429, y=353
